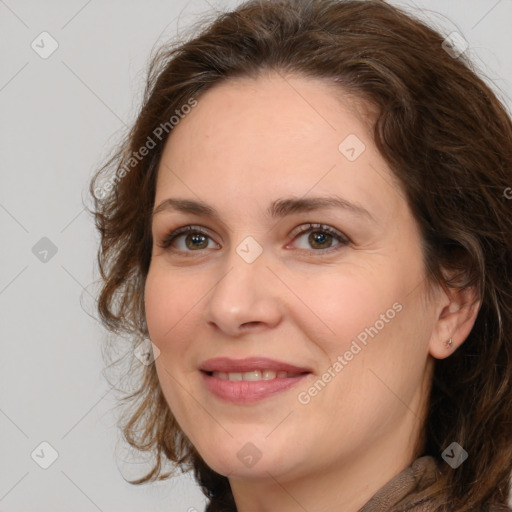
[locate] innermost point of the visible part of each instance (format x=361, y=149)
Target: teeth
x=254, y=375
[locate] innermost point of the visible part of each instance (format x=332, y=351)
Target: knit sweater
x=407, y=491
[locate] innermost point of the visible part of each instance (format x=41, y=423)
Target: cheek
x=341, y=306
x=169, y=306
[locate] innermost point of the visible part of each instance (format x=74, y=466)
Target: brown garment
x=407, y=491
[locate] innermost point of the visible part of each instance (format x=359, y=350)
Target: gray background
x=59, y=117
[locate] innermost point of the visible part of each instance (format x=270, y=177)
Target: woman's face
x=253, y=288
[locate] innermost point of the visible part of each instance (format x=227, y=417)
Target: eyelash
x=342, y=239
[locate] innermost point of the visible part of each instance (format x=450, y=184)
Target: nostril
x=250, y=324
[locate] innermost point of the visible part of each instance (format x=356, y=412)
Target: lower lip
x=245, y=391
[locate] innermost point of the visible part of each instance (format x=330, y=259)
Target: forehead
x=271, y=113
x=274, y=135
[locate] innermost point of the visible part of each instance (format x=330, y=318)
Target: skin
x=247, y=143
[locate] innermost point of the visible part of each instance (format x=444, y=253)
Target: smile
x=254, y=375
x=244, y=381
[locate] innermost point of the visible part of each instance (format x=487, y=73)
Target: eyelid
x=169, y=238
x=342, y=239
x=313, y=226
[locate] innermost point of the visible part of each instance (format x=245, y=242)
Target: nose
x=245, y=299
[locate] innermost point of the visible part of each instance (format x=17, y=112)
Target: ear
x=456, y=316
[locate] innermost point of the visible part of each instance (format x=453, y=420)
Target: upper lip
x=228, y=365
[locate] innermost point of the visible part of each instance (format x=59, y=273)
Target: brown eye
x=321, y=238
x=194, y=239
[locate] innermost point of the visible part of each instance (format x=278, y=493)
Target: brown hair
x=448, y=140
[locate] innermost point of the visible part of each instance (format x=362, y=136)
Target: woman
x=308, y=221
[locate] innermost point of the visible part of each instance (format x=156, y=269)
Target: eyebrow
x=278, y=209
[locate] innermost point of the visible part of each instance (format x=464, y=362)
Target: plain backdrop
x=59, y=117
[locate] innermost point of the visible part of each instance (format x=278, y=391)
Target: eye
x=194, y=238
x=320, y=237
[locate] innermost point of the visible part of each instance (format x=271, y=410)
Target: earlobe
x=442, y=349
x=454, y=322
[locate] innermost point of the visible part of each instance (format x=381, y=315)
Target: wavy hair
x=447, y=139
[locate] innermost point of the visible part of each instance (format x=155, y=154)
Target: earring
x=449, y=343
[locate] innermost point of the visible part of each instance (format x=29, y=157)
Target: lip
x=246, y=392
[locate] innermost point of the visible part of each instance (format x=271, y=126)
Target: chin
x=243, y=458
x=230, y=466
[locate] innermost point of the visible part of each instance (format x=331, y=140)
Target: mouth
x=253, y=375
x=249, y=380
